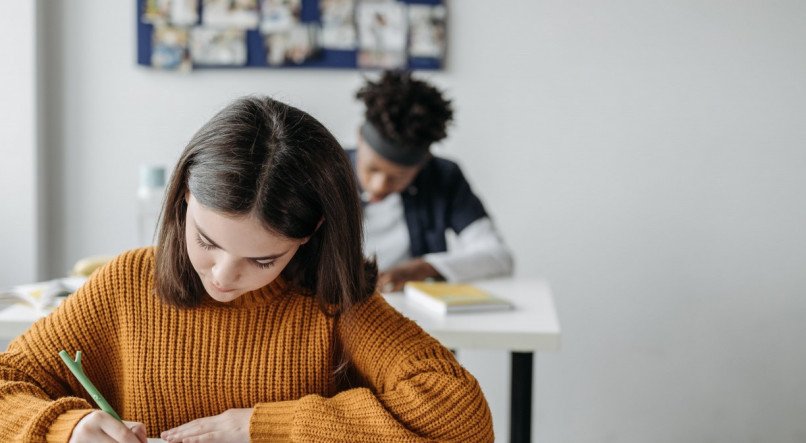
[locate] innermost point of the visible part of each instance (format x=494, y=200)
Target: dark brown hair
x=264, y=158
x=405, y=110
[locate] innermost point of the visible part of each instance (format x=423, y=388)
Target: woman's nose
x=225, y=273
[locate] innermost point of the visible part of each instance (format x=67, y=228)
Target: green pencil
x=78, y=371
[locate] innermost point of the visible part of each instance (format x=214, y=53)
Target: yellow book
x=451, y=297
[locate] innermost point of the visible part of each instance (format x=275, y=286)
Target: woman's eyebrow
x=266, y=257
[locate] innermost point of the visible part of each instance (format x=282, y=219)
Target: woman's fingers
x=231, y=426
x=190, y=429
x=139, y=430
x=212, y=437
x=98, y=426
x=121, y=432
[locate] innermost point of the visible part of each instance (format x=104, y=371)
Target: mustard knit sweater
x=271, y=349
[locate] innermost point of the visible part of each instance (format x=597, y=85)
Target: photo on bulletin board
x=182, y=35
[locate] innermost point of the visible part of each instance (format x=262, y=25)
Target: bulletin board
x=182, y=35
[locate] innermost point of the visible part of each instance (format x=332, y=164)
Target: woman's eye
x=202, y=243
x=264, y=265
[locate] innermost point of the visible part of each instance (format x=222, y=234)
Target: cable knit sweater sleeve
x=40, y=400
x=415, y=390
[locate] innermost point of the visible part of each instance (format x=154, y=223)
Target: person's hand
x=98, y=426
x=230, y=426
x=392, y=279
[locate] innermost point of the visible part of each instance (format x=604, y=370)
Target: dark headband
x=390, y=150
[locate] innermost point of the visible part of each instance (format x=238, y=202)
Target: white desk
x=531, y=327
x=17, y=316
x=16, y=319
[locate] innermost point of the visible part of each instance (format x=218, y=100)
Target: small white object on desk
x=26, y=304
x=43, y=296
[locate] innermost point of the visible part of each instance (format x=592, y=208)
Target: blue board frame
x=256, y=52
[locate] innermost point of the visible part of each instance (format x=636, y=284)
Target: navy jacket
x=439, y=198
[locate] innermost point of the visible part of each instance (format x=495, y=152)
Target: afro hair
x=406, y=110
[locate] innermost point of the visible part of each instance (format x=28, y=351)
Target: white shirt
x=477, y=252
x=386, y=234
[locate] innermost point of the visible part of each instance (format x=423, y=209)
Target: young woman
x=254, y=319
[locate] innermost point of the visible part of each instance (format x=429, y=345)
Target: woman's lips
x=222, y=290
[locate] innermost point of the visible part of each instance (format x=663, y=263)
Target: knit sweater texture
x=271, y=349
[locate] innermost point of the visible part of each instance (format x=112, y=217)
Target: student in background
x=254, y=318
x=413, y=198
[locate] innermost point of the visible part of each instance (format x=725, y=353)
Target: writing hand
x=392, y=279
x=98, y=426
x=230, y=426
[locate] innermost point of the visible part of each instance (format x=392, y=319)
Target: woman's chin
x=223, y=296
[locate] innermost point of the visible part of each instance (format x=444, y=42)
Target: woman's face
x=234, y=255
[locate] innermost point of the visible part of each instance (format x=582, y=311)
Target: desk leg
x=520, y=424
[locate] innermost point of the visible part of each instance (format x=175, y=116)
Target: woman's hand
x=98, y=426
x=230, y=426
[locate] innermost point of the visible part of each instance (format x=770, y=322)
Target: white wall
x=646, y=156
x=19, y=231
